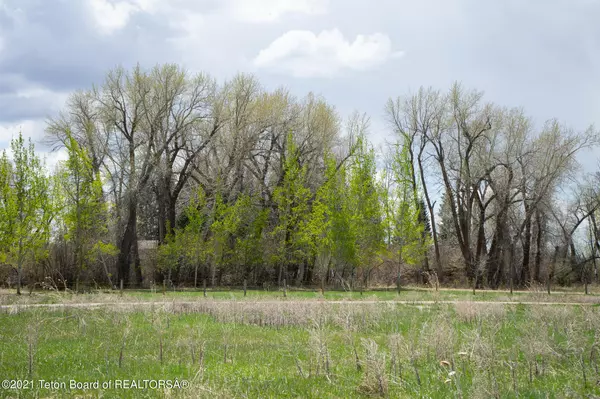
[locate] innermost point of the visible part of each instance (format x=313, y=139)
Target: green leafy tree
x=249, y=239
x=367, y=218
x=226, y=222
x=84, y=211
x=292, y=198
x=193, y=235
x=409, y=225
x=7, y=223
x=170, y=253
x=27, y=210
x=331, y=221
x=320, y=222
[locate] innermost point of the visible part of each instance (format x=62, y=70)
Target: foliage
x=366, y=216
x=83, y=211
x=292, y=232
x=236, y=180
x=26, y=208
x=331, y=218
x=408, y=224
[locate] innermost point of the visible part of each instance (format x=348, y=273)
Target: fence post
x=245, y=287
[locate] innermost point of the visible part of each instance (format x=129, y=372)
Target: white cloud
x=304, y=54
x=52, y=158
x=29, y=128
x=272, y=10
x=33, y=129
x=111, y=15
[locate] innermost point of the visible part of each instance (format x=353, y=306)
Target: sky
x=542, y=55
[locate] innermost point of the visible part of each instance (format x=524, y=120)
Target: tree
x=142, y=129
x=366, y=218
x=84, y=210
x=228, y=219
x=26, y=206
x=186, y=116
x=193, y=235
x=7, y=222
x=331, y=230
x=408, y=225
x=292, y=201
x=418, y=120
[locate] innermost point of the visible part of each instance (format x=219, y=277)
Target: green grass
x=308, y=350
x=407, y=294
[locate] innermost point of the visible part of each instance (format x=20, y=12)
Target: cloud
x=111, y=16
x=271, y=10
x=303, y=54
x=33, y=129
x=58, y=45
x=31, y=103
x=29, y=128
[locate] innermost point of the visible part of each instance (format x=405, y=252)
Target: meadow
x=304, y=345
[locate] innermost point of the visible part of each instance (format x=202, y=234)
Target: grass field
x=304, y=346
x=7, y=297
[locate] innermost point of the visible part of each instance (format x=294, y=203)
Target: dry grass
x=470, y=312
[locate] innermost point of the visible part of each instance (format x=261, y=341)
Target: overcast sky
x=543, y=55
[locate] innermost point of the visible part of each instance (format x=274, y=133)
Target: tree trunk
x=213, y=271
x=510, y=265
x=492, y=264
x=136, y=260
x=525, y=271
x=551, y=267
x=495, y=261
x=430, y=206
x=162, y=221
x=538, y=247
x=481, y=244
x=280, y=277
x=300, y=276
x=124, y=259
x=19, y=273
x=595, y=244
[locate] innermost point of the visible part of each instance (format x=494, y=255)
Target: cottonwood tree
x=507, y=143
x=552, y=161
x=579, y=211
x=143, y=128
x=413, y=120
x=186, y=116
x=83, y=121
x=451, y=130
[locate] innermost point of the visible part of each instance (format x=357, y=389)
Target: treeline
x=237, y=183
